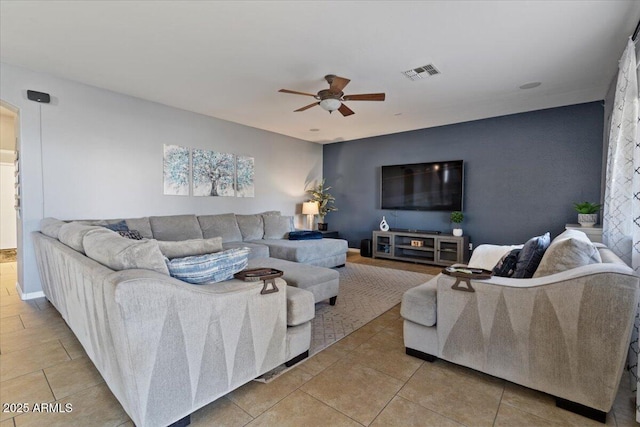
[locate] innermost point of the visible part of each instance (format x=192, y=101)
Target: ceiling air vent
x=421, y=72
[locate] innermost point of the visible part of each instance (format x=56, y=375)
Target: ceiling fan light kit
x=332, y=99
x=330, y=104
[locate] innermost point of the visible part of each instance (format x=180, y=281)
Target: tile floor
x=364, y=379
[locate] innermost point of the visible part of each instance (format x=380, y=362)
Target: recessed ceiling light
x=530, y=85
x=314, y=130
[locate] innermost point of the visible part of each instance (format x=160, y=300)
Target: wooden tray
x=266, y=274
x=466, y=277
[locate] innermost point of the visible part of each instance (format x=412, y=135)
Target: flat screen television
x=423, y=186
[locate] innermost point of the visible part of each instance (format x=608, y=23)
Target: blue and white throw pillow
x=209, y=268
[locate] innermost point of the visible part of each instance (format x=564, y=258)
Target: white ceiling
x=228, y=59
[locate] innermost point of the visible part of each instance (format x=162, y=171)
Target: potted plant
x=320, y=194
x=587, y=213
x=457, y=217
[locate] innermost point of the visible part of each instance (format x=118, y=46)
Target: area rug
x=365, y=293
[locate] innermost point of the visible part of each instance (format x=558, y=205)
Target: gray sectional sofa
x=266, y=234
x=165, y=347
x=565, y=331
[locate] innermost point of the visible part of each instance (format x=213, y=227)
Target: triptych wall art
x=207, y=173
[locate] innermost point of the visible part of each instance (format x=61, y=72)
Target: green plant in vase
x=320, y=194
x=587, y=213
x=457, y=217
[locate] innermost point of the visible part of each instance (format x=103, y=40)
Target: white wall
x=100, y=156
x=8, y=237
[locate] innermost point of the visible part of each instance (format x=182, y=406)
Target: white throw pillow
x=487, y=256
x=569, y=250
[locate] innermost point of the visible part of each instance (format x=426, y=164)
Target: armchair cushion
x=530, y=256
x=569, y=250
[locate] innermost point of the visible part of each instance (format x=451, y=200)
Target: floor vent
x=421, y=72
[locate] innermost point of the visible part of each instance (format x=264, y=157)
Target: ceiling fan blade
x=306, y=107
x=346, y=111
x=338, y=83
x=365, y=97
x=296, y=92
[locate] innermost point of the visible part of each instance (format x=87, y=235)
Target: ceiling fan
x=332, y=99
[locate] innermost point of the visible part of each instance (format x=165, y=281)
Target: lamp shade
x=310, y=208
x=330, y=104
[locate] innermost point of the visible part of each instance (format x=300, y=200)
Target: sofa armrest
x=179, y=346
x=574, y=273
x=566, y=334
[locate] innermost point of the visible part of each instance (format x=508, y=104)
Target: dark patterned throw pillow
x=530, y=256
x=118, y=226
x=507, y=265
x=131, y=234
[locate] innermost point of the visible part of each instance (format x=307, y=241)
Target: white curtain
x=621, y=219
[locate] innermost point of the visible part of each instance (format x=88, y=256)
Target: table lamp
x=310, y=209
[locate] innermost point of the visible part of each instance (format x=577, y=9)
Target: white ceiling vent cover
x=421, y=72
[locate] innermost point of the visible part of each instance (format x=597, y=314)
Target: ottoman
x=322, y=282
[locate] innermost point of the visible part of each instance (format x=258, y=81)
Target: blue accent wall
x=523, y=172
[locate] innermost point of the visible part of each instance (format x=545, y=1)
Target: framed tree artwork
x=245, y=170
x=213, y=173
x=176, y=170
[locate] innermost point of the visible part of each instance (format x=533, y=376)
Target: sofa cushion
x=190, y=247
x=175, y=227
x=300, y=306
x=258, y=250
x=305, y=250
x=142, y=225
x=251, y=226
x=72, y=233
x=51, y=227
x=210, y=268
x=322, y=282
x=277, y=226
x=530, y=256
x=223, y=225
x=507, y=264
x=119, y=253
x=569, y=250
x=419, y=303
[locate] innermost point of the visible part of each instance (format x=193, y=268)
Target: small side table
x=593, y=233
x=330, y=234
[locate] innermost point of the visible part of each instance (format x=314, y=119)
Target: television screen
x=423, y=186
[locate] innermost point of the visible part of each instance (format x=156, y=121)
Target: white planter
x=457, y=232
x=588, y=220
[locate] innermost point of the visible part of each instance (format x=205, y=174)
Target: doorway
x=9, y=173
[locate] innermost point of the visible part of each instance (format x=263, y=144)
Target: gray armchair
x=565, y=334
